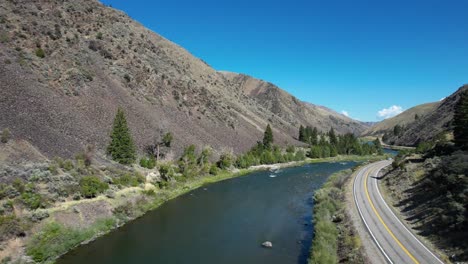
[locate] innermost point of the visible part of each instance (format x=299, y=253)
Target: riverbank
x=335, y=237
x=58, y=234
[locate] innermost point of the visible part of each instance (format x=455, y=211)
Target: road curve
x=397, y=244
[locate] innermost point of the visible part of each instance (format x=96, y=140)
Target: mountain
x=436, y=121
x=67, y=65
x=404, y=119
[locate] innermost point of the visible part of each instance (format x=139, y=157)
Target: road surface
x=397, y=244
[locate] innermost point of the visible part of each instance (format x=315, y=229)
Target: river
x=224, y=222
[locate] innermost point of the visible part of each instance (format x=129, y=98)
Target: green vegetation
x=432, y=189
x=11, y=226
x=268, y=137
x=31, y=198
x=308, y=135
x=448, y=183
x=90, y=186
x=121, y=147
x=439, y=184
x=324, y=145
x=460, y=121
x=40, y=53
x=129, y=179
x=333, y=236
x=5, y=136
x=148, y=163
x=55, y=239
x=194, y=168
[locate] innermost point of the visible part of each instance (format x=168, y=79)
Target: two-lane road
x=395, y=241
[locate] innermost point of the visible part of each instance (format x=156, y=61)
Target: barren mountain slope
x=289, y=108
x=403, y=119
x=67, y=65
x=430, y=125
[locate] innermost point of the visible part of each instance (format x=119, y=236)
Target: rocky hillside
x=437, y=122
x=404, y=119
x=67, y=65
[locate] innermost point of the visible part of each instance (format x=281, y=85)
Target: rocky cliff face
x=65, y=67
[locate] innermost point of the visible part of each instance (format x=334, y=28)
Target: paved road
x=395, y=241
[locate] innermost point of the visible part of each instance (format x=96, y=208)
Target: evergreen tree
x=121, y=147
x=313, y=136
x=302, y=137
x=460, y=121
x=332, y=136
x=268, y=137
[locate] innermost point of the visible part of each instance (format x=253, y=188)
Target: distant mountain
x=67, y=65
x=435, y=120
x=404, y=119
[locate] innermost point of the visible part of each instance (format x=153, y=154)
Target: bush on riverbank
x=55, y=239
x=333, y=234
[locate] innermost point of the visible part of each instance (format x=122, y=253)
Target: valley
x=118, y=145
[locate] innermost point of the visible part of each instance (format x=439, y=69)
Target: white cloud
x=345, y=113
x=442, y=99
x=390, y=112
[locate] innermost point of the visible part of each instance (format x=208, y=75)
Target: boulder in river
x=267, y=244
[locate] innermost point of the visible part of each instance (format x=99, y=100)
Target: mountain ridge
x=434, y=121
x=70, y=64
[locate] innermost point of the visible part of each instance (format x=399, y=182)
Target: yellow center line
x=383, y=223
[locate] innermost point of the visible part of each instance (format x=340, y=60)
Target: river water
x=225, y=222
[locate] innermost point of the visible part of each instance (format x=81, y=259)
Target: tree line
x=192, y=162
x=324, y=145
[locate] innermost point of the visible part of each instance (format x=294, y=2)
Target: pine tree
x=268, y=137
x=313, y=136
x=332, y=136
x=121, y=147
x=302, y=133
x=460, y=121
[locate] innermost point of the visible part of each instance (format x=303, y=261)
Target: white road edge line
x=398, y=220
x=364, y=220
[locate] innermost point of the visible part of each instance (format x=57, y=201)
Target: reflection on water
x=225, y=222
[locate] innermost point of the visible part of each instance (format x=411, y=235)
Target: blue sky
x=355, y=56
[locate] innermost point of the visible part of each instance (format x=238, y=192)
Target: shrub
x=86, y=157
x=290, y=149
x=106, y=54
x=148, y=163
x=167, y=172
x=18, y=184
x=127, y=77
x=53, y=169
x=99, y=35
x=67, y=165
x=225, y=161
x=424, y=147
x=5, y=135
x=128, y=179
x=55, y=239
x=32, y=200
x=328, y=202
x=300, y=155
x=10, y=226
x=94, y=45
x=214, y=170
x=40, y=53
x=90, y=186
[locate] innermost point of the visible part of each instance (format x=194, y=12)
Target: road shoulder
x=370, y=250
